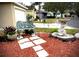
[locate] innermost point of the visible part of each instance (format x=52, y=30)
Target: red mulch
x=54, y=47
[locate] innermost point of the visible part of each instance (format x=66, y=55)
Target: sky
x=27, y=3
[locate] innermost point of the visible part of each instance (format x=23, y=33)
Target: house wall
x=20, y=14
x=8, y=15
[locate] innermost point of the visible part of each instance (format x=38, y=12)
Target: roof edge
x=16, y=3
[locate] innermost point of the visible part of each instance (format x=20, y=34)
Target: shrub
x=28, y=31
x=10, y=30
x=31, y=32
x=2, y=33
x=3, y=37
x=29, y=17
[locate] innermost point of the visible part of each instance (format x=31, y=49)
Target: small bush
x=3, y=38
x=29, y=31
x=2, y=33
x=29, y=17
x=26, y=31
x=10, y=30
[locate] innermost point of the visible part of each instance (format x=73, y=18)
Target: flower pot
x=12, y=37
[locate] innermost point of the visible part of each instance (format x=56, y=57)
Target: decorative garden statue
x=27, y=25
x=62, y=30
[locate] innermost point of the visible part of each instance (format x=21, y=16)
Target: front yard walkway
x=51, y=48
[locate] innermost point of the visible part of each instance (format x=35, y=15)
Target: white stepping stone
x=26, y=45
x=20, y=37
x=23, y=40
x=34, y=37
x=33, y=34
x=39, y=41
x=42, y=53
x=37, y=48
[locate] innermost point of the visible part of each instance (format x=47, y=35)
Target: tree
x=55, y=6
x=30, y=7
x=61, y=6
x=76, y=7
x=37, y=3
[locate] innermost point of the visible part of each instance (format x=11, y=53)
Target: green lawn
x=50, y=20
x=46, y=30
x=49, y=30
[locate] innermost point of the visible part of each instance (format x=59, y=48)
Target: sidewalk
x=50, y=25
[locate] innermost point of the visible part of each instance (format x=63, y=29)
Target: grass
x=72, y=31
x=49, y=20
x=49, y=30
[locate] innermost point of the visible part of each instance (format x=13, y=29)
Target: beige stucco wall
x=6, y=15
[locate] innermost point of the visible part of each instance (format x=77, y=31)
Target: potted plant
x=10, y=32
x=3, y=37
